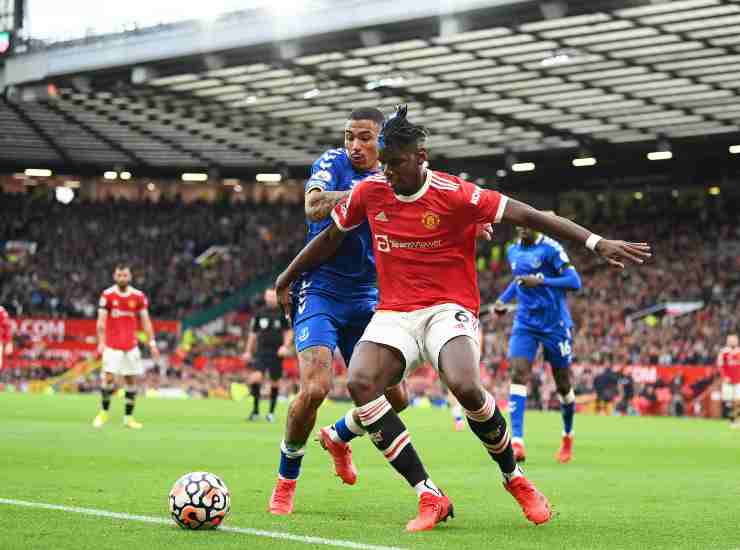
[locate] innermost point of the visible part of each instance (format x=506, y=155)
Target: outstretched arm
x=312, y=256
x=319, y=204
x=614, y=252
x=569, y=280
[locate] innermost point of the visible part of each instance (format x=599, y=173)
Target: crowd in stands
x=79, y=244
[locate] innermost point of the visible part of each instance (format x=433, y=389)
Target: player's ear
x=422, y=156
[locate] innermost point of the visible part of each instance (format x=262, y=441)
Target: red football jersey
x=4, y=326
x=729, y=364
x=124, y=309
x=424, y=243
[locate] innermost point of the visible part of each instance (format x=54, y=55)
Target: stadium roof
x=494, y=85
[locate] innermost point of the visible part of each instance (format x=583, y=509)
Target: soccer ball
x=199, y=500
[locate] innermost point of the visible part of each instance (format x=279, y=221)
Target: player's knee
x=398, y=396
x=361, y=388
x=314, y=393
x=471, y=396
x=563, y=388
x=519, y=373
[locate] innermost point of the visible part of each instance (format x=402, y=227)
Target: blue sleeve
x=557, y=256
x=508, y=294
x=569, y=280
x=326, y=172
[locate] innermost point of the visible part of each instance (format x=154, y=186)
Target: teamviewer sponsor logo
x=122, y=313
x=384, y=244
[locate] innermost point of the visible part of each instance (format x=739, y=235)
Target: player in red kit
x=6, y=341
x=423, y=225
x=120, y=308
x=728, y=362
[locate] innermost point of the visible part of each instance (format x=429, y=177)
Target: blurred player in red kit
x=120, y=307
x=728, y=362
x=423, y=224
x=6, y=341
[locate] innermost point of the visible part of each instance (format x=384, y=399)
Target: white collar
x=538, y=240
x=420, y=193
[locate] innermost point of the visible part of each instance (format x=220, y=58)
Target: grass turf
x=634, y=483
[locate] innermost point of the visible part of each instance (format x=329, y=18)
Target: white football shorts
x=730, y=392
x=123, y=363
x=420, y=335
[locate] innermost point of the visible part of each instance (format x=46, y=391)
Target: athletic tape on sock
x=292, y=453
x=352, y=425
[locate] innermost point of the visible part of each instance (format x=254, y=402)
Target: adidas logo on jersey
x=381, y=217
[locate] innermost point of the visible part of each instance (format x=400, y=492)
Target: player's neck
x=122, y=289
x=419, y=184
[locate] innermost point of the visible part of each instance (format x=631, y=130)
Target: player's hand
x=283, y=351
x=154, y=350
x=530, y=281
x=499, y=308
x=282, y=288
x=247, y=357
x=101, y=348
x=617, y=252
x=484, y=231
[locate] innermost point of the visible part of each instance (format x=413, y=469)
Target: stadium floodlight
x=660, y=155
x=65, y=195
x=194, y=176
x=38, y=172
x=111, y=175
x=735, y=149
x=522, y=167
x=675, y=193
x=584, y=161
x=125, y=175
x=638, y=195
x=310, y=94
x=714, y=190
x=269, y=178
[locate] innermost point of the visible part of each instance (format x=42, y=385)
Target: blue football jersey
x=542, y=308
x=351, y=272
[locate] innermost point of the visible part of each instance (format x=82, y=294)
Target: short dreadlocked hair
x=398, y=132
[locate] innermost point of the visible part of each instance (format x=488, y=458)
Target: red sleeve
x=483, y=205
x=722, y=363
x=352, y=211
x=4, y=327
x=104, y=303
x=144, y=302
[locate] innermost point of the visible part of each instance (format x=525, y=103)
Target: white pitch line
x=162, y=521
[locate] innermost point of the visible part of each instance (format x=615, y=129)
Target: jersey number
x=565, y=349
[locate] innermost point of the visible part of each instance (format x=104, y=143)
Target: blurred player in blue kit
x=542, y=276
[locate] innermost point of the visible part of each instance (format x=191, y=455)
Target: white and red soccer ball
x=199, y=500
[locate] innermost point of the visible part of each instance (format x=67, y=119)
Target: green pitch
x=635, y=482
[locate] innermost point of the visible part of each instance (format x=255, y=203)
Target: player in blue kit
x=332, y=304
x=542, y=276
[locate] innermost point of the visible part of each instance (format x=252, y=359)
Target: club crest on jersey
x=303, y=336
x=430, y=220
x=322, y=175
x=132, y=303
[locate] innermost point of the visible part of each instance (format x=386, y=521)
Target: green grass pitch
x=634, y=483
